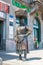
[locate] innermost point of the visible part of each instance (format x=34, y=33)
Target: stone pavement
x=35, y=57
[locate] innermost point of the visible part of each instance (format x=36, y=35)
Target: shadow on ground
x=34, y=58
x=5, y=56
x=37, y=49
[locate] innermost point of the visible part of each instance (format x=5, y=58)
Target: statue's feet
x=20, y=58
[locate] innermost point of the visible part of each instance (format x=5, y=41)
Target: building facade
x=10, y=18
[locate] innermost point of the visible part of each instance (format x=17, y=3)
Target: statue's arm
x=29, y=31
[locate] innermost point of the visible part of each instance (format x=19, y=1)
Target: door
x=1, y=34
x=37, y=29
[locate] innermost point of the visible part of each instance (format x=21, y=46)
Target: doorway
x=37, y=29
x=1, y=35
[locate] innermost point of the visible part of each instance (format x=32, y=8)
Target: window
x=37, y=29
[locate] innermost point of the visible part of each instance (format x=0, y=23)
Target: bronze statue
x=21, y=33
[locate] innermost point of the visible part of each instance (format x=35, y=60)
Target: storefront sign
x=4, y=7
x=18, y=4
x=2, y=15
x=11, y=18
x=11, y=23
x=11, y=27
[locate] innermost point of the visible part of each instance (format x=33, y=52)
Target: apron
x=20, y=46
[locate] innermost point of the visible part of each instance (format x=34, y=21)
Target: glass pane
x=36, y=23
x=36, y=34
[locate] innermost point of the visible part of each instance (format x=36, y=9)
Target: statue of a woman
x=21, y=33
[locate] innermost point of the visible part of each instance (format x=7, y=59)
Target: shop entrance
x=1, y=34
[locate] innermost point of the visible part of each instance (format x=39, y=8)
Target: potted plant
x=36, y=43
